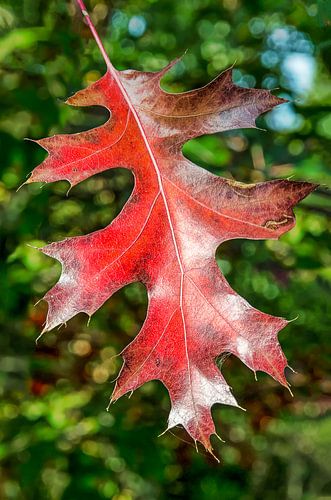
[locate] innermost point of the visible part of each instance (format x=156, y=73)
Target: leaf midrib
x=165, y=201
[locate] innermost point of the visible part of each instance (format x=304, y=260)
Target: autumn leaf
x=167, y=234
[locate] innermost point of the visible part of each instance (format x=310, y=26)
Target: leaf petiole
x=95, y=34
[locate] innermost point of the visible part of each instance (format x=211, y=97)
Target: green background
x=57, y=440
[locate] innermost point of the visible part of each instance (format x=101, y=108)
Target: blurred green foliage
x=57, y=440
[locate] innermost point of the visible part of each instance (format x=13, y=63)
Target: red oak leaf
x=167, y=234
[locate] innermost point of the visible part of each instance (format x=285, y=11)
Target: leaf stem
x=94, y=32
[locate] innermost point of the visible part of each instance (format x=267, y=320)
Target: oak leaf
x=166, y=237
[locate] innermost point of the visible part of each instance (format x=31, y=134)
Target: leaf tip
x=23, y=184
x=210, y=449
x=40, y=335
x=219, y=437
